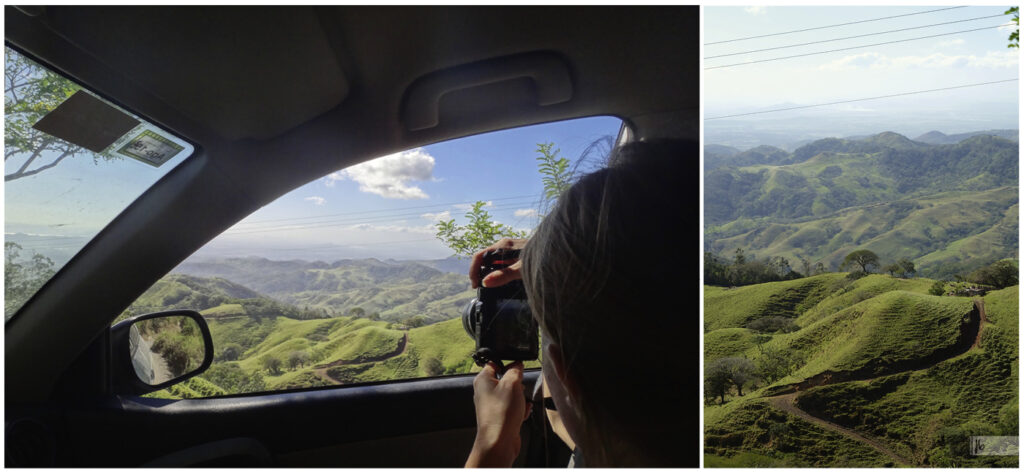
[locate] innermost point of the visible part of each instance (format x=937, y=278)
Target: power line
x=830, y=26
x=435, y=205
x=369, y=216
x=332, y=246
x=324, y=224
x=863, y=99
x=852, y=37
x=854, y=47
x=364, y=219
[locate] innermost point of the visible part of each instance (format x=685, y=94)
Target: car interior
x=272, y=98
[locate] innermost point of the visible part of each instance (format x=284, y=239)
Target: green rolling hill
x=868, y=372
x=948, y=207
x=314, y=347
x=394, y=289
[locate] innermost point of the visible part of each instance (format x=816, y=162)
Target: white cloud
x=992, y=59
x=442, y=216
x=756, y=10
x=389, y=176
x=953, y=42
x=317, y=200
x=1008, y=28
x=520, y=213
x=329, y=180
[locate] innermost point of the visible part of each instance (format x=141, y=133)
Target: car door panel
x=428, y=422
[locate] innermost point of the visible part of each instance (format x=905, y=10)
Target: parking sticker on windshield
x=150, y=148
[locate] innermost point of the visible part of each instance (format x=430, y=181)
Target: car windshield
x=72, y=162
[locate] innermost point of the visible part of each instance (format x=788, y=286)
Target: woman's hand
x=501, y=409
x=499, y=277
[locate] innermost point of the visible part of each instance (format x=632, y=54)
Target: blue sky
x=932, y=63
x=385, y=208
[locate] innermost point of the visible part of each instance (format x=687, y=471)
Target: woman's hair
x=604, y=274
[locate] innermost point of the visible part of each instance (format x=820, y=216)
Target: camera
x=499, y=319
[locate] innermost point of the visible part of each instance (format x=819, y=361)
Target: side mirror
x=157, y=350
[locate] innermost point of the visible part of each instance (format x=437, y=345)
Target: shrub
x=271, y=363
x=432, y=367
x=231, y=352
x=773, y=324
x=938, y=288
x=176, y=358
x=297, y=359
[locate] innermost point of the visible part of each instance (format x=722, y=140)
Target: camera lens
x=468, y=318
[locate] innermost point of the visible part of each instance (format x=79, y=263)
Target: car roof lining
x=639, y=63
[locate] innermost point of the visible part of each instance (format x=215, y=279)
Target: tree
x=357, y=312
x=297, y=359
x=480, y=232
x=23, y=278
x=415, y=322
x=1000, y=274
x=938, y=288
x=739, y=259
x=231, y=352
x=271, y=363
x=906, y=267
x=819, y=268
x=1015, y=36
x=863, y=258
x=716, y=380
x=725, y=373
x=892, y=269
x=554, y=172
x=743, y=371
x=31, y=92
x=805, y=265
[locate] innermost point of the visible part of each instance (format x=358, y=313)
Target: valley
x=947, y=206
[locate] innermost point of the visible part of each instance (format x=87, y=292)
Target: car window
x=360, y=276
x=72, y=162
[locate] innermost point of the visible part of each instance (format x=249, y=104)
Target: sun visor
x=86, y=121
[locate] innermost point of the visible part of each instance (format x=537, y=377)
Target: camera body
x=499, y=319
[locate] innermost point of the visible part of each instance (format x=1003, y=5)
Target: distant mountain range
x=716, y=156
x=946, y=205
x=394, y=289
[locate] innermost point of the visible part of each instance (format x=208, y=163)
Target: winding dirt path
x=321, y=370
x=786, y=401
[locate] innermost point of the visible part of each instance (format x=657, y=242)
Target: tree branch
x=19, y=174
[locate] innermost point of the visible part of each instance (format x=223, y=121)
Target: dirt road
x=785, y=402
x=321, y=370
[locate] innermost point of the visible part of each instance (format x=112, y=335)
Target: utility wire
x=374, y=215
x=829, y=26
x=436, y=205
x=852, y=37
x=331, y=246
x=863, y=99
x=855, y=47
x=325, y=224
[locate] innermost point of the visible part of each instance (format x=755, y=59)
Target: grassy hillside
x=338, y=350
x=947, y=207
x=962, y=228
x=895, y=371
x=395, y=290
